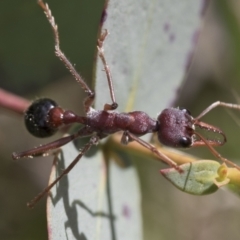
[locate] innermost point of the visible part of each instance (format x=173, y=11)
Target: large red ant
x=174, y=127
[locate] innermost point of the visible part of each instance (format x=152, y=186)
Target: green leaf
x=198, y=178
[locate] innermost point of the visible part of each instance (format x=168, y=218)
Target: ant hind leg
x=90, y=94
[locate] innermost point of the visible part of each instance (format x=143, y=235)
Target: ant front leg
x=217, y=154
x=93, y=141
x=90, y=94
x=101, y=40
x=127, y=137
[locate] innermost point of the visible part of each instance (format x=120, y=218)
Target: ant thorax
x=108, y=122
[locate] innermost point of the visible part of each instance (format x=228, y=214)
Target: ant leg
x=127, y=136
x=93, y=140
x=83, y=132
x=101, y=40
x=216, y=104
x=217, y=154
x=90, y=94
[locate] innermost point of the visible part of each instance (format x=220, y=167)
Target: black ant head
x=37, y=118
x=176, y=128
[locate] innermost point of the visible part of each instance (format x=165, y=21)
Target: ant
x=174, y=127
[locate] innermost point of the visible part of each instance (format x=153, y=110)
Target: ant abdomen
x=37, y=119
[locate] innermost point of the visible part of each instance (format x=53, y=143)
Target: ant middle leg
x=94, y=140
x=127, y=137
x=100, y=48
x=90, y=93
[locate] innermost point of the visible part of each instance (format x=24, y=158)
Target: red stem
x=13, y=102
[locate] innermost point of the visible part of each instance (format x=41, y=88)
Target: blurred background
x=28, y=67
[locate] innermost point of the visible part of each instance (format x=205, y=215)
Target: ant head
x=37, y=118
x=176, y=127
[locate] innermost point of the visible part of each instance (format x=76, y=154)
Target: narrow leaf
x=85, y=205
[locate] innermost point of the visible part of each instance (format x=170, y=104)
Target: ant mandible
x=175, y=127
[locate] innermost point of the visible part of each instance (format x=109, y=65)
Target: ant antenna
x=217, y=104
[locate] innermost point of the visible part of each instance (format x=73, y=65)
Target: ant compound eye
x=187, y=111
x=36, y=118
x=185, y=142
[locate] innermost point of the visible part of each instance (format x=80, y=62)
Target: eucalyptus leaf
x=93, y=201
x=148, y=51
